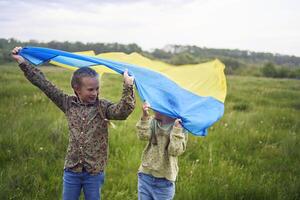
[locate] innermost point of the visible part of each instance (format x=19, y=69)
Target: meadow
x=253, y=152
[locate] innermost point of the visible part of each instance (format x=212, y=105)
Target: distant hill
x=170, y=53
x=241, y=62
x=195, y=54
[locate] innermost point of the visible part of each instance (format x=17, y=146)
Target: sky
x=255, y=25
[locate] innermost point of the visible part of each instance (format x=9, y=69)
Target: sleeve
x=178, y=141
x=144, y=129
x=121, y=110
x=37, y=78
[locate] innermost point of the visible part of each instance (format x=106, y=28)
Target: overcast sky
x=255, y=25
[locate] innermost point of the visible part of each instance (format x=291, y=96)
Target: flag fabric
x=171, y=91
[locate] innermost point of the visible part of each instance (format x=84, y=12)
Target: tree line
x=238, y=62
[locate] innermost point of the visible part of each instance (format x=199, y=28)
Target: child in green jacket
x=166, y=141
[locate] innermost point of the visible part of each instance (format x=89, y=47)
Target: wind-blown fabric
x=163, y=94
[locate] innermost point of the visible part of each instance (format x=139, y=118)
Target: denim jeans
x=152, y=188
x=75, y=181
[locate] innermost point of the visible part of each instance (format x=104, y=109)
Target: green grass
x=253, y=152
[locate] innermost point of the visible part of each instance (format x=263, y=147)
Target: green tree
x=269, y=70
x=183, y=58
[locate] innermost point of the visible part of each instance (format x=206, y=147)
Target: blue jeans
x=152, y=188
x=75, y=181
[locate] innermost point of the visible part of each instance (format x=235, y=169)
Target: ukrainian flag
x=193, y=93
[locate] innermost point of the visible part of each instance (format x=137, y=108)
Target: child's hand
x=177, y=123
x=15, y=56
x=145, y=108
x=128, y=79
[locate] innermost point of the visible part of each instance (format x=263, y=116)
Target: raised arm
x=37, y=78
x=122, y=110
x=144, y=124
x=178, y=140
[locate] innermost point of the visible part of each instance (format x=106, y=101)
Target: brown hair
x=80, y=73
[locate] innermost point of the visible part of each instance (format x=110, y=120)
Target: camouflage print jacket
x=88, y=123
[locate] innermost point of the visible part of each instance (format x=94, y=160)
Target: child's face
x=161, y=117
x=88, y=90
x=158, y=116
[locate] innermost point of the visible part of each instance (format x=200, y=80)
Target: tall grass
x=253, y=152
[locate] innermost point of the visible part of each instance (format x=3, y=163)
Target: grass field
x=253, y=152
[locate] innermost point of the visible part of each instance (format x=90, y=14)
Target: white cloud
x=270, y=25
